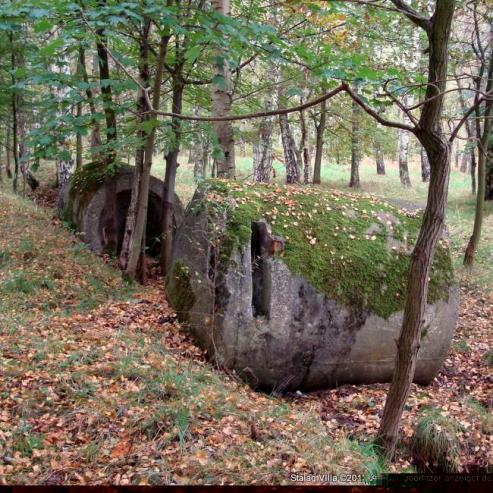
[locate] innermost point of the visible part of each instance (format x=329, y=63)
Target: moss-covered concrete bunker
x=82, y=201
x=316, y=300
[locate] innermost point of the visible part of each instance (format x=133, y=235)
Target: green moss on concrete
x=179, y=290
x=327, y=241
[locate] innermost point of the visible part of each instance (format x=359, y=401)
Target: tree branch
x=413, y=16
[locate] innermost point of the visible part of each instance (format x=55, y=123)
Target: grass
x=436, y=441
x=45, y=269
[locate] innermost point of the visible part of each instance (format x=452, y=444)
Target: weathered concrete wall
x=85, y=214
x=302, y=339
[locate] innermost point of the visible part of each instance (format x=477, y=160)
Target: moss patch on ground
x=354, y=248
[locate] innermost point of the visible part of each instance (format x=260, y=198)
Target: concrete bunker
x=84, y=210
x=295, y=288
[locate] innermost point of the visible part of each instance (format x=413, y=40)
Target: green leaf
x=192, y=53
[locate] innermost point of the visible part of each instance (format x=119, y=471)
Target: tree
x=355, y=143
x=430, y=133
x=483, y=150
x=319, y=131
x=132, y=255
x=221, y=103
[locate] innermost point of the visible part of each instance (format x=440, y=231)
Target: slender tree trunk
x=425, y=166
x=379, y=159
x=305, y=150
x=489, y=172
x=78, y=145
x=319, y=147
x=8, y=148
x=404, y=158
x=14, y=117
x=355, y=146
x=262, y=147
x=473, y=173
x=95, y=128
x=132, y=255
x=430, y=134
x=110, y=240
x=465, y=160
x=483, y=146
x=170, y=175
x=1, y=164
x=221, y=105
x=290, y=158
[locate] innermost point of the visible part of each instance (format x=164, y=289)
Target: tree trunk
x=95, y=129
x=110, y=240
x=14, y=116
x=305, y=150
x=489, y=173
x=471, y=132
x=221, y=105
x=289, y=146
x=473, y=173
x=78, y=145
x=403, y=158
x=170, y=176
x=1, y=164
x=319, y=146
x=379, y=159
x=8, y=148
x=430, y=134
x=425, y=166
x=355, y=146
x=464, y=164
x=132, y=255
x=262, y=148
x=483, y=147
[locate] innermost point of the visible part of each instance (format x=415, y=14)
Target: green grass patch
x=436, y=443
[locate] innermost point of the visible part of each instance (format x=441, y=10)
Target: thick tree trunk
x=425, y=166
x=355, y=146
x=221, y=105
x=379, y=159
x=429, y=133
x=319, y=146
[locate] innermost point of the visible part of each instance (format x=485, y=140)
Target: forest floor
x=100, y=385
